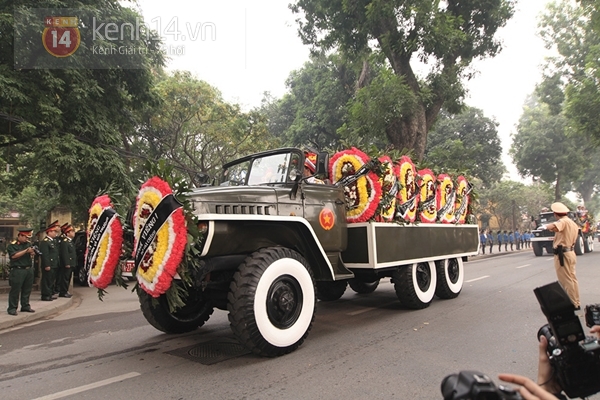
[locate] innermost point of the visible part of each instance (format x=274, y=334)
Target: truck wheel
x=588, y=244
x=450, y=276
x=330, y=291
x=362, y=287
x=271, y=301
x=415, y=284
x=579, y=245
x=538, y=250
x=191, y=316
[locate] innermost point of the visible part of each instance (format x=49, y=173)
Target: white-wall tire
x=272, y=301
x=415, y=284
x=450, y=278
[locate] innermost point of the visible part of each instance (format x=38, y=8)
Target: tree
x=574, y=73
x=467, y=142
x=447, y=36
x=513, y=204
x=196, y=130
x=542, y=150
x=315, y=106
x=65, y=127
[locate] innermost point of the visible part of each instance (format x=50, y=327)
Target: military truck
x=542, y=238
x=274, y=243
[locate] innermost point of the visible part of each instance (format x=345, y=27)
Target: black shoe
x=27, y=310
x=46, y=298
x=577, y=308
x=67, y=295
x=12, y=312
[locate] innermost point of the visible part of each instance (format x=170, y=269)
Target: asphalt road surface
x=361, y=346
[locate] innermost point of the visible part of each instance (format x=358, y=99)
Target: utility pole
x=514, y=219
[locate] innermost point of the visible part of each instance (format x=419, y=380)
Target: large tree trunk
x=557, y=188
x=409, y=133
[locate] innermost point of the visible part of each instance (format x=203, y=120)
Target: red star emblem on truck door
x=326, y=219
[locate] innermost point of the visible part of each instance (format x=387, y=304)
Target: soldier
x=499, y=241
x=21, y=272
x=68, y=260
x=565, y=260
x=482, y=243
x=50, y=258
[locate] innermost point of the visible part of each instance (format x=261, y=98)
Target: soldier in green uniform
x=68, y=260
x=50, y=258
x=21, y=272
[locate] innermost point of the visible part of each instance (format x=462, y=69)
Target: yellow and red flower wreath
x=444, y=199
x=428, y=210
x=388, y=179
x=462, y=199
x=164, y=247
x=105, y=238
x=362, y=196
x=408, y=191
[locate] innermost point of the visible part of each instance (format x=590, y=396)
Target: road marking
x=477, y=279
x=364, y=310
x=523, y=266
x=83, y=388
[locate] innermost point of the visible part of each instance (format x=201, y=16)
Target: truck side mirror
x=322, y=165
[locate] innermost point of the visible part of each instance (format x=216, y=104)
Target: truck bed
x=376, y=245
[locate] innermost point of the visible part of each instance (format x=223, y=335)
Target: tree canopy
x=467, y=142
x=444, y=36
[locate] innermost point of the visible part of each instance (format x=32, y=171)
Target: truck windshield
x=275, y=168
x=270, y=169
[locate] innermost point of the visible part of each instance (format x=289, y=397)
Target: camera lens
x=448, y=386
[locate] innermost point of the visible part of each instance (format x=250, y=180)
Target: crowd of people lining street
x=515, y=240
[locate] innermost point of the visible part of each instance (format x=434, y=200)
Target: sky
x=247, y=47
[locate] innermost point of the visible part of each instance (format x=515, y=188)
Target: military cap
x=310, y=161
x=25, y=231
x=559, y=208
x=65, y=228
x=52, y=226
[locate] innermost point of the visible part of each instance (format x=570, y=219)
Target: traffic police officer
x=565, y=259
x=50, y=258
x=21, y=272
x=68, y=260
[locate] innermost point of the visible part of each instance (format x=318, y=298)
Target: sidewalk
x=42, y=309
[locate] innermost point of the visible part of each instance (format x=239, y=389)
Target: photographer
x=21, y=272
x=547, y=387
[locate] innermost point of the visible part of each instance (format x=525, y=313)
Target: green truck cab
x=274, y=243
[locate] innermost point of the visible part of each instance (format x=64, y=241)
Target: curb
x=24, y=318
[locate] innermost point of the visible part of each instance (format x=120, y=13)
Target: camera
x=473, y=385
x=36, y=250
x=574, y=358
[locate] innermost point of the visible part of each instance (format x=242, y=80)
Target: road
x=359, y=347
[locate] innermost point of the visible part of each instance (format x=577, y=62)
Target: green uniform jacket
x=67, y=253
x=15, y=247
x=49, y=250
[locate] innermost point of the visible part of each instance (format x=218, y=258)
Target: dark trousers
x=21, y=283
x=499, y=247
x=491, y=247
x=64, y=279
x=47, y=282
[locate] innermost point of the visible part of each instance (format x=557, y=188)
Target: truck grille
x=243, y=209
x=543, y=233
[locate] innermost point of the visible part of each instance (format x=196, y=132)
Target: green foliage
x=513, y=203
x=195, y=130
x=446, y=36
x=66, y=127
x=315, y=106
x=466, y=142
x=542, y=150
